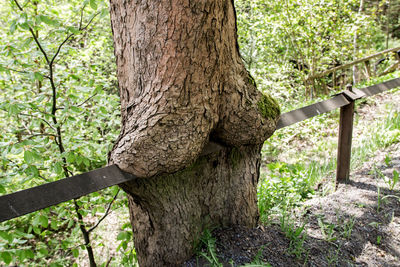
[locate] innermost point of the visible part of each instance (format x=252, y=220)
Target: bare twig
x=58, y=140
x=105, y=214
x=34, y=36
x=109, y=261
x=59, y=48
x=85, y=234
x=14, y=70
x=84, y=102
x=90, y=21
x=81, y=18
x=45, y=121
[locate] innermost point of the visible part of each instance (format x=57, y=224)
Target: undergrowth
x=301, y=159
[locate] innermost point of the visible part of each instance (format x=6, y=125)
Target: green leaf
x=54, y=225
x=13, y=109
x=20, y=254
x=98, y=89
x=58, y=168
x=72, y=119
x=44, y=251
x=37, y=230
x=93, y=4
x=36, y=221
x=70, y=223
x=86, y=161
x=75, y=252
x=2, y=189
x=29, y=157
x=70, y=157
x=75, y=77
x=24, y=25
x=73, y=29
x=32, y=170
x=104, y=12
x=27, y=42
x=6, y=257
x=49, y=21
x=103, y=110
x=29, y=254
x=13, y=27
x=395, y=177
x=75, y=109
x=44, y=221
x=123, y=236
x=6, y=236
x=38, y=76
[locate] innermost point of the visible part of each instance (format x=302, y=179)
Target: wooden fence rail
x=43, y=196
x=348, y=65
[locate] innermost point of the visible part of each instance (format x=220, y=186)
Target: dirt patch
x=357, y=225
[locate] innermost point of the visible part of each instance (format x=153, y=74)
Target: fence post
x=345, y=135
x=344, y=145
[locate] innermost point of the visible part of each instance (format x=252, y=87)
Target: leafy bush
x=283, y=188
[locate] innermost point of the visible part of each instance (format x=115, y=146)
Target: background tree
x=284, y=43
x=54, y=118
x=183, y=83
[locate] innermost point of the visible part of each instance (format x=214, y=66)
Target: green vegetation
x=268, y=107
x=59, y=116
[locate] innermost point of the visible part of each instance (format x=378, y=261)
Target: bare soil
x=357, y=225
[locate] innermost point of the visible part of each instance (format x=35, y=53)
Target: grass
x=301, y=159
x=301, y=163
x=295, y=234
x=210, y=253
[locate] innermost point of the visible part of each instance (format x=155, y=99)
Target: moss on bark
x=268, y=107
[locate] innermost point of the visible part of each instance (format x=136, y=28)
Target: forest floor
x=357, y=225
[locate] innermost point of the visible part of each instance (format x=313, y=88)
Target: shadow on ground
x=358, y=225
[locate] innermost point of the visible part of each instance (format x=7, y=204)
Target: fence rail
x=43, y=196
x=348, y=65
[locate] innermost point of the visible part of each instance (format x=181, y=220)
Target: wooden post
x=368, y=69
x=344, y=144
x=334, y=80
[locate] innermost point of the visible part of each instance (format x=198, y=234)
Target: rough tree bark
x=183, y=84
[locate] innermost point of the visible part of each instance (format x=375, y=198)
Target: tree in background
x=58, y=117
x=285, y=43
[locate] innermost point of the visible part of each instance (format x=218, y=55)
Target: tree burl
x=183, y=85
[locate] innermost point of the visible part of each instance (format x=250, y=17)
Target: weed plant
x=293, y=174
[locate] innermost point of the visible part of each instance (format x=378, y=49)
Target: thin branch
x=45, y=179
x=90, y=21
x=59, y=48
x=36, y=135
x=34, y=35
x=19, y=7
x=19, y=71
x=109, y=261
x=81, y=18
x=84, y=102
x=106, y=214
x=85, y=234
x=45, y=121
x=58, y=140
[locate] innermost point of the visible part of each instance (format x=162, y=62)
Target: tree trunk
x=183, y=83
x=170, y=212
